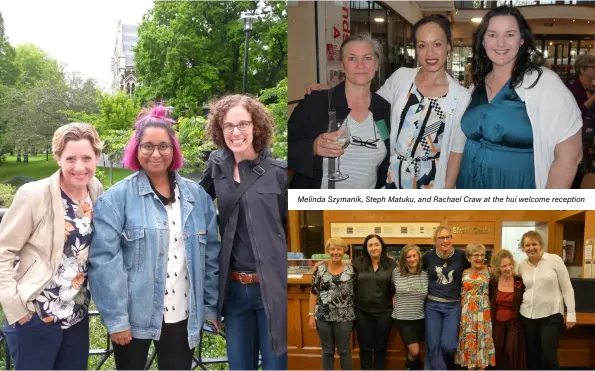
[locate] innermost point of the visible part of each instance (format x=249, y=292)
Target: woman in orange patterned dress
x=476, y=345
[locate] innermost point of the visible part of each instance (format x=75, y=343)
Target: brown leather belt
x=245, y=278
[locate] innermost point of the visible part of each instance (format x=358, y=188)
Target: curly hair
x=261, y=119
x=481, y=64
x=497, y=260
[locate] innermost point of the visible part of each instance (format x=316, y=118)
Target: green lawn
x=39, y=168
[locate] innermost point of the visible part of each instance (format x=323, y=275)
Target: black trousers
x=542, y=337
x=373, y=333
x=173, y=352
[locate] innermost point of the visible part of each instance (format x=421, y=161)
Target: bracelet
x=310, y=314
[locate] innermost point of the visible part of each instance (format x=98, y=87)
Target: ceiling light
x=379, y=20
x=475, y=20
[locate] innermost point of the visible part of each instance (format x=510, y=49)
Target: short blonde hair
x=335, y=241
x=473, y=248
x=534, y=236
x=497, y=260
x=439, y=229
x=75, y=132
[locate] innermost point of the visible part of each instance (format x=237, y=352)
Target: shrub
x=7, y=193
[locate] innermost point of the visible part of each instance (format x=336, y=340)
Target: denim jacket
x=128, y=257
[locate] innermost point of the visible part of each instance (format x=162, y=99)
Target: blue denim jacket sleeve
x=212, y=250
x=107, y=276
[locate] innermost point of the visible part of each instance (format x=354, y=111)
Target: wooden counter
x=576, y=347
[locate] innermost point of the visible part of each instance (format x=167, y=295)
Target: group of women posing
x=468, y=314
x=517, y=127
x=148, y=250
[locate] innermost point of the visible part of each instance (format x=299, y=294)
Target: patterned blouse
x=416, y=150
x=335, y=294
x=65, y=299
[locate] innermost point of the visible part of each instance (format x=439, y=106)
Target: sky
x=79, y=33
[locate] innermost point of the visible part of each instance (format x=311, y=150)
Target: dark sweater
x=444, y=275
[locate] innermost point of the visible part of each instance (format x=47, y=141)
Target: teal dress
x=499, y=149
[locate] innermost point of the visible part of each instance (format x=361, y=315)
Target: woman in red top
x=506, y=295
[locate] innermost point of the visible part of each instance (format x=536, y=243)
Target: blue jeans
x=246, y=329
x=442, y=332
x=38, y=346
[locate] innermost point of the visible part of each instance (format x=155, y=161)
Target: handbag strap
x=332, y=119
x=257, y=172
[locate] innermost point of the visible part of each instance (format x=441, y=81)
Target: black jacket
x=265, y=204
x=310, y=119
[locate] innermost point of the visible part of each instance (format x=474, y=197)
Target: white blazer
x=395, y=90
x=554, y=116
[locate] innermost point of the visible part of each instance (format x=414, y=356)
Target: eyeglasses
x=357, y=141
x=444, y=238
x=148, y=148
x=479, y=255
x=242, y=125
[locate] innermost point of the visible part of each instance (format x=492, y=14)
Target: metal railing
x=198, y=361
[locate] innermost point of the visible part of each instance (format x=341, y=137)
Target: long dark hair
x=524, y=62
x=383, y=255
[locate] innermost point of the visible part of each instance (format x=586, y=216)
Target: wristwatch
x=310, y=314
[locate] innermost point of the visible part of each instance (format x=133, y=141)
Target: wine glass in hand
x=341, y=129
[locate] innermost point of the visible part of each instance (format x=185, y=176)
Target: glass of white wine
x=342, y=141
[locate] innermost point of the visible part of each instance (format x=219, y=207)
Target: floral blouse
x=65, y=299
x=335, y=302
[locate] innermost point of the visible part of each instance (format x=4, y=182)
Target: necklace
x=445, y=257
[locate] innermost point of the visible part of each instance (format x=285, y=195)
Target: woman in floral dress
x=476, y=345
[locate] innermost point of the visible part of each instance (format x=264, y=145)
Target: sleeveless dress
x=476, y=345
x=499, y=149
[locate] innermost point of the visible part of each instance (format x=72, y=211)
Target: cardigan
x=33, y=230
x=310, y=119
x=554, y=114
x=396, y=89
x=517, y=296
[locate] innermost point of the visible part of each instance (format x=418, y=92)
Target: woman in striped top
x=410, y=283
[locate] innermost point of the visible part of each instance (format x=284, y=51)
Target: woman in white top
x=523, y=126
x=548, y=289
x=411, y=289
x=427, y=105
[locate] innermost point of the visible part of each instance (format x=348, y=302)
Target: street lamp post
x=248, y=20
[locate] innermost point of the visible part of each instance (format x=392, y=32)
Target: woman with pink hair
x=154, y=261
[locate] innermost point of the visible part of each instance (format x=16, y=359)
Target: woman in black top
x=445, y=266
x=312, y=151
x=373, y=302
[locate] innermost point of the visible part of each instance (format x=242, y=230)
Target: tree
x=275, y=100
x=36, y=66
x=8, y=69
x=34, y=106
x=189, y=52
x=192, y=135
x=117, y=112
x=114, y=142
